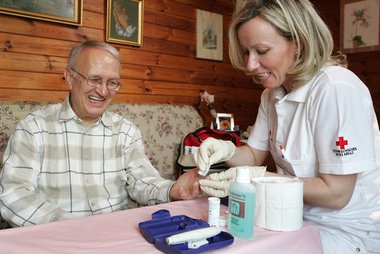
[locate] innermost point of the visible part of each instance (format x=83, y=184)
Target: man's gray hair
x=91, y=44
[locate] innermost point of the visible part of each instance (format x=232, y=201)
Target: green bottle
x=241, y=205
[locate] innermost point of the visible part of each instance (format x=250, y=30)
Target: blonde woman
x=316, y=119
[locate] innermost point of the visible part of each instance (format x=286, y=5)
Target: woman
x=316, y=119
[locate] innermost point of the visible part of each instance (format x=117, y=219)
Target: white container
x=213, y=211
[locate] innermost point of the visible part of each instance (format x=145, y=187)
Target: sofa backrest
x=162, y=127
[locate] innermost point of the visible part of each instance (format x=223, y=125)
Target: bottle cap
x=243, y=175
x=214, y=200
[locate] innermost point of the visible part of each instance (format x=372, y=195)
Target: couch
x=162, y=127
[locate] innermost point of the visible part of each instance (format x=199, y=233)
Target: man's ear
x=68, y=78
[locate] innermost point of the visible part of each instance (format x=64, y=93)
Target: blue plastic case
x=163, y=225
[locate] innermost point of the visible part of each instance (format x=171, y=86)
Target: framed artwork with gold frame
x=64, y=11
x=125, y=22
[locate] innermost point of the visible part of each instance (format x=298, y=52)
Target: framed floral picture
x=209, y=35
x=225, y=122
x=64, y=11
x=359, y=25
x=125, y=22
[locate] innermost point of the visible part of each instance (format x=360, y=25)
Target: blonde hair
x=297, y=21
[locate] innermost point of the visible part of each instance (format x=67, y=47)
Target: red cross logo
x=341, y=142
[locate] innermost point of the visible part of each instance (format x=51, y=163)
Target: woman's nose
x=252, y=63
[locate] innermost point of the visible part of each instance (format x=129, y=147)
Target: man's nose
x=103, y=88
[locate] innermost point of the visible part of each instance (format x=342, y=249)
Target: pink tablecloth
x=119, y=233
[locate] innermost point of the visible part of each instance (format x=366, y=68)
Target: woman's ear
x=68, y=77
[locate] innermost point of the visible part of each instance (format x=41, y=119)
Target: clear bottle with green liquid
x=241, y=206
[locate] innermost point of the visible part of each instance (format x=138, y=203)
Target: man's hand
x=186, y=187
x=218, y=184
x=213, y=151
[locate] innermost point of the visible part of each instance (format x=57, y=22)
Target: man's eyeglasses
x=96, y=81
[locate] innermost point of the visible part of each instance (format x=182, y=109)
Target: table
x=118, y=232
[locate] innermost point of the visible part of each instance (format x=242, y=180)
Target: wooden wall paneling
x=32, y=95
x=169, y=20
x=31, y=63
x=94, y=20
x=224, y=7
x=203, y=71
x=154, y=73
x=171, y=7
x=216, y=79
x=168, y=47
x=35, y=45
x=168, y=33
x=32, y=81
x=98, y=6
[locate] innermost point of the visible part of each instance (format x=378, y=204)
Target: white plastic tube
x=193, y=235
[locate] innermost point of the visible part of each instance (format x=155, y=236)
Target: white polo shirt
x=327, y=126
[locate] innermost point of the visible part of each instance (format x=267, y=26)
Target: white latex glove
x=218, y=184
x=213, y=151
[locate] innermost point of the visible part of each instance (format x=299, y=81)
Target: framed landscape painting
x=209, y=32
x=62, y=11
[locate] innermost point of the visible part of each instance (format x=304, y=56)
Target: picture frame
x=125, y=22
x=225, y=121
x=65, y=11
x=359, y=25
x=209, y=35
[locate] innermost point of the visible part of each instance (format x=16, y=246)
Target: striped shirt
x=55, y=168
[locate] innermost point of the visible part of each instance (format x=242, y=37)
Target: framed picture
x=359, y=25
x=225, y=121
x=209, y=35
x=125, y=21
x=64, y=11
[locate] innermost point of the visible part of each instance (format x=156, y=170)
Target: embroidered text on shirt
x=342, y=143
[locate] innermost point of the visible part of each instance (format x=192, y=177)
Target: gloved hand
x=218, y=184
x=213, y=151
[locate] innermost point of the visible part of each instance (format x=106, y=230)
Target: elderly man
x=75, y=158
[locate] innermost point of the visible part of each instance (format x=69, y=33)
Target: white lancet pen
x=195, y=238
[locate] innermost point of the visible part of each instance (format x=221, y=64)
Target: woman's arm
x=329, y=191
x=246, y=155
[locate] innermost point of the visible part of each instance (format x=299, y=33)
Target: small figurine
x=209, y=99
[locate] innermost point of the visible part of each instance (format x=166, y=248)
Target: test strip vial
x=213, y=211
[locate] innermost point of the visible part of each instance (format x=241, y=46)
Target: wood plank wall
x=163, y=70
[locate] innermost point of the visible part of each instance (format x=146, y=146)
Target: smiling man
x=75, y=158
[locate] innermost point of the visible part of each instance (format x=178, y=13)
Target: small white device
x=195, y=238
